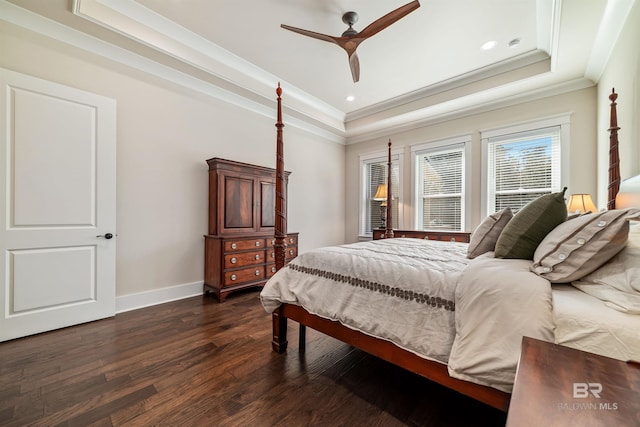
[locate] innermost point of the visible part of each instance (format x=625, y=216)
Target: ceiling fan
x=351, y=38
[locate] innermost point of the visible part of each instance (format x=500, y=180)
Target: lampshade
x=581, y=203
x=629, y=193
x=381, y=193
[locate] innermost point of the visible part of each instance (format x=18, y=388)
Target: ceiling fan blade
x=388, y=19
x=313, y=34
x=354, y=64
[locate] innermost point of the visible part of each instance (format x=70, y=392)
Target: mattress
x=585, y=323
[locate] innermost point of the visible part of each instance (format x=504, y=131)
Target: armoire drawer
x=233, y=260
x=234, y=277
x=243, y=244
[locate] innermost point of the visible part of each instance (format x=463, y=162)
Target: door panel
x=51, y=187
x=50, y=277
x=57, y=188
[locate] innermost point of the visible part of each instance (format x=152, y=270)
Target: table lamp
x=581, y=204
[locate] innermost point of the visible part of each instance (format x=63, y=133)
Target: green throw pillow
x=530, y=226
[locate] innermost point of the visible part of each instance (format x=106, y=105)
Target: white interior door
x=57, y=196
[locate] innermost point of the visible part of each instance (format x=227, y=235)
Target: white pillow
x=576, y=248
x=486, y=235
x=622, y=272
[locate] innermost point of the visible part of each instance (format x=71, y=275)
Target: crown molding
x=137, y=22
x=505, y=96
x=262, y=105
x=236, y=81
x=511, y=64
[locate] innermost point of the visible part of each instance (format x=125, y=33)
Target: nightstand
x=560, y=386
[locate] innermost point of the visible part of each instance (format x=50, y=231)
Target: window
x=440, y=183
x=374, y=172
x=523, y=163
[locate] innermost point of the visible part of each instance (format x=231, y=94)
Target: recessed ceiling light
x=350, y=98
x=514, y=42
x=489, y=45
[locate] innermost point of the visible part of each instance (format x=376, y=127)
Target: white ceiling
x=427, y=64
x=439, y=40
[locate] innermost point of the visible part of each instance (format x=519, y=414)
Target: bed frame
x=383, y=349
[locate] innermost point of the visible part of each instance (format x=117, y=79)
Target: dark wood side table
x=560, y=386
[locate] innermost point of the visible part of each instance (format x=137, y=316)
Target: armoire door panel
x=239, y=201
x=267, y=204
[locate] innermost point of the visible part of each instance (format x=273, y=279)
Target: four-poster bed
x=433, y=367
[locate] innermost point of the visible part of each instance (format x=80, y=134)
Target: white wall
x=622, y=73
x=581, y=105
x=164, y=135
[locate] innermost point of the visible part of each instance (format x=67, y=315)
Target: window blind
x=522, y=167
x=440, y=187
x=376, y=174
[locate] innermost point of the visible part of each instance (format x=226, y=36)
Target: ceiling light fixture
x=489, y=45
x=350, y=98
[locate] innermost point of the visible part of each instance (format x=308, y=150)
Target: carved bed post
x=279, y=341
x=614, y=156
x=280, y=245
x=388, y=234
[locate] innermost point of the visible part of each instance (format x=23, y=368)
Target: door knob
x=106, y=236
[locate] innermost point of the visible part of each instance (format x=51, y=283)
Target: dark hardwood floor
x=196, y=362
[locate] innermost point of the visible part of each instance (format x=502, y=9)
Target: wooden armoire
x=239, y=244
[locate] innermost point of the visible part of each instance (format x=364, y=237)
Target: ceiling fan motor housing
x=350, y=18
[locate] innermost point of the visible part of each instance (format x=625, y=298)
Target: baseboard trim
x=157, y=296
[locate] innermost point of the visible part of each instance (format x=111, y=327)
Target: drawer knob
x=426, y=237
x=453, y=239
x=233, y=246
x=291, y=252
x=273, y=242
x=258, y=244
x=257, y=272
x=273, y=269
x=233, y=260
x=257, y=256
x=234, y=277
x=290, y=240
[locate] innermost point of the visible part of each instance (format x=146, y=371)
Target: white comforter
x=426, y=297
x=498, y=301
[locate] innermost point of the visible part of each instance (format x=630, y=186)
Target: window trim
x=397, y=156
x=561, y=120
x=463, y=141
